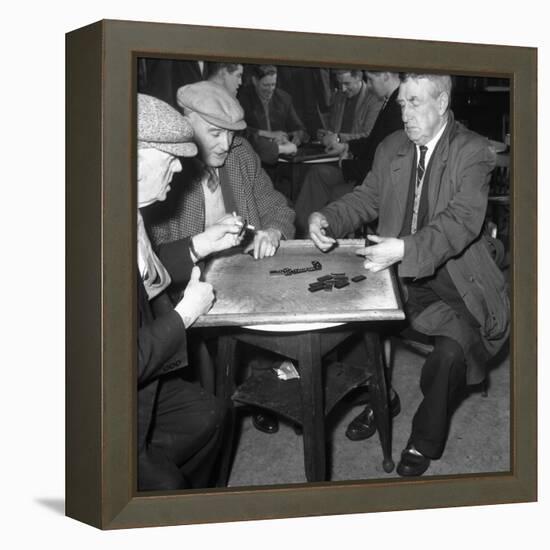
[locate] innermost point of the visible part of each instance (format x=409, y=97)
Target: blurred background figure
x=311, y=91
x=353, y=111
x=270, y=115
x=228, y=75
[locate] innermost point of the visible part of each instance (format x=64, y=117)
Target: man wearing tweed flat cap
x=226, y=177
x=179, y=424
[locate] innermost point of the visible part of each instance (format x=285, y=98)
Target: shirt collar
x=431, y=145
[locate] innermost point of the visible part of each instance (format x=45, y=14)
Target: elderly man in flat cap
x=179, y=424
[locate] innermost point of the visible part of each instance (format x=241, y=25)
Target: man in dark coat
x=326, y=183
x=428, y=189
x=179, y=424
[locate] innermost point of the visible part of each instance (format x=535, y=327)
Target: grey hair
x=440, y=82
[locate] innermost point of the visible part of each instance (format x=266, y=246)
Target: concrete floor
x=478, y=442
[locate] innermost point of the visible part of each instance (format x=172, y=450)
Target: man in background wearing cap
x=179, y=424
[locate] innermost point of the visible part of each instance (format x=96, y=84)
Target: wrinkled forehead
x=420, y=88
x=153, y=155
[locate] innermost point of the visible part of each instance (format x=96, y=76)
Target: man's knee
x=449, y=352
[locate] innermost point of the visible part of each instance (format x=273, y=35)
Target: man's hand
x=279, y=137
x=296, y=138
x=318, y=225
x=288, y=148
x=321, y=133
x=219, y=236
x=329, y=138
x=198, y=298
x=265, y=243
x=335, y=148
x=386, y=252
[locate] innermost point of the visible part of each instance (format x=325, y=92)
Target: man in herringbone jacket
x=225, y=178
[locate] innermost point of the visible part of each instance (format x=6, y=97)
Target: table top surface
x=247, y=294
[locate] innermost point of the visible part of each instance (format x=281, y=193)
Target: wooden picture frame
x=101, y=293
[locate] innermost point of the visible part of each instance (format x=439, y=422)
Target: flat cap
x=161, y=127
x=213, y=103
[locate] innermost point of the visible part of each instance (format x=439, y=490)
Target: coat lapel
x=400, y=173
x=439, y=165
x=232, y=189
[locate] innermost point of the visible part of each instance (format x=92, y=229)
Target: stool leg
x=379, y=397
x=313, y=414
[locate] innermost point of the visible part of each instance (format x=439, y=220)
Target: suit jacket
x=363, y=149
x=162, y=348
x=366, y=112
x=282, y=114
x=458, y=184
x=246, y=189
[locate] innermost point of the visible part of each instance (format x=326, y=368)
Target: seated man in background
x=226, y=177
x=326, y=183
x=273, y=127
x=179, y=424
x=228, y=75
x=428, y=189
x=353, y=111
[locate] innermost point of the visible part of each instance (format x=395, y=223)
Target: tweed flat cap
x=213, y=103
x=161, y=127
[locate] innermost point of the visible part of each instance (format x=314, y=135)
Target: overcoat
x=457, y=195
x=162, y=349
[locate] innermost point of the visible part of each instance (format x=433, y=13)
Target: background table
x=247, y=295
x=308, y=153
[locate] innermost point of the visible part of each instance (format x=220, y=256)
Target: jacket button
x=178, y=362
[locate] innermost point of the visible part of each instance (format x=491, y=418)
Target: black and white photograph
x=275, y=275
x=324, y=267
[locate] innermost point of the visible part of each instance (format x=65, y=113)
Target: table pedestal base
x=306, y=400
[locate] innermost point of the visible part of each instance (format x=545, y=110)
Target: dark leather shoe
x=265, y=422
x=363, y=426
x=412, y=463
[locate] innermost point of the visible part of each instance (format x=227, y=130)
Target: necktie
x=420, y=170
x=213, y=180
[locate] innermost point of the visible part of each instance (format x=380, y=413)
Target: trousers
x=184, y=439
